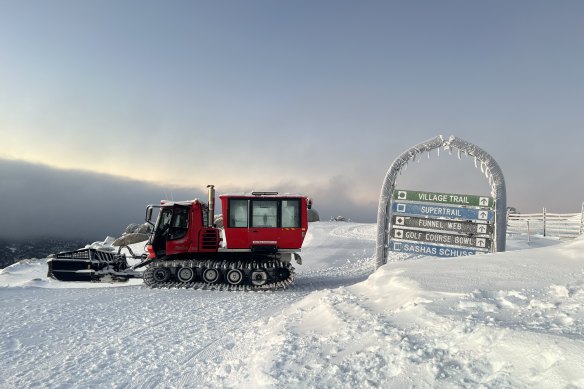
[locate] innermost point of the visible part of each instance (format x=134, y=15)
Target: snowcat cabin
x=264, y=222
x=182, y=227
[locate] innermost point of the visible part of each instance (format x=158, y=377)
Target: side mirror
x=149, y=214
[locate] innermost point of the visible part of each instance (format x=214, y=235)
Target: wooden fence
x=565, y=226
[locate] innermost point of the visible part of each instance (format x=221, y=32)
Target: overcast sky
x=317, y=97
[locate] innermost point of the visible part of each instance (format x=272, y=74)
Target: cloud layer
x=42, y=201
x=37, y=200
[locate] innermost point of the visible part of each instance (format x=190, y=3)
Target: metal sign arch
x=489, y=167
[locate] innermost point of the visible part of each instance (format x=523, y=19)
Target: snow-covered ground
x=513, y=319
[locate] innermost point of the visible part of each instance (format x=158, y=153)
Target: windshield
x=173, y=223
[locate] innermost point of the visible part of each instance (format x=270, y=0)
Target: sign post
x=489, y=168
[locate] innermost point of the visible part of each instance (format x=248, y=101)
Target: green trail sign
x=439, y=238
x=444, y=198
x=461, y=227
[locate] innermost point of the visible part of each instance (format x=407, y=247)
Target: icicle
x=475, y=161
x=459, y=154
x=438, y=151
x=428, y=154
x=482, y=167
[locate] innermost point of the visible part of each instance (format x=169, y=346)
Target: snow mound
x=106, y=245
x=513, y=319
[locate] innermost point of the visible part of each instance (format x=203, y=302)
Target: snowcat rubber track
x=256, y=275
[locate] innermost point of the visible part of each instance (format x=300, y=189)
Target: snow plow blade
x=89, y=265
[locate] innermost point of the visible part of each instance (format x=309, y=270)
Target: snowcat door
x=161, y=231
x=177, y=232
x=172, y=224
x=264, y=231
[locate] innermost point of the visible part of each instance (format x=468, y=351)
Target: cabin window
x=264, y=213
x=238, y=213
x=164, y=219
x=180, y=222
x=291, y=213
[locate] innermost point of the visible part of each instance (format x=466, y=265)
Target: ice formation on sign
x=488, y=166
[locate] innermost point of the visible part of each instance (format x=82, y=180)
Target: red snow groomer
x=262, y=233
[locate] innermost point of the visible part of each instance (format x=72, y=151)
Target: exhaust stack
x=211, y=205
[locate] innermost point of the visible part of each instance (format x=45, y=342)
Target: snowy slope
x=512, y=319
